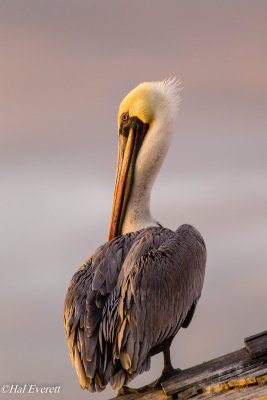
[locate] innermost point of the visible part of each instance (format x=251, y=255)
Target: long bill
x=128, y=149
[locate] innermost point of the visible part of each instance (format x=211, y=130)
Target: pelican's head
x=146, y=121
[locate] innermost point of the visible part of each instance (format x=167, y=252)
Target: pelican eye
x=125, y=118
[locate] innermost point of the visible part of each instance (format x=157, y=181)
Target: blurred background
x=65, y=67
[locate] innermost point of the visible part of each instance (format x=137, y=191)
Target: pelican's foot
x=166, y=373
x=127, y=390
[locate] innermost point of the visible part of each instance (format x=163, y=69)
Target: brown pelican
x=130, y=298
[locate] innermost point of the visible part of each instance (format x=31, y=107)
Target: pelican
x=129, y=299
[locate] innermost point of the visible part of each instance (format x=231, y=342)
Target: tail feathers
x=98, y=382
x=91, y=373
x=123, y=377
x=118, y=380
x=99, y=361
x=84, y=381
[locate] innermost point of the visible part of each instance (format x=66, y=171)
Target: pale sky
x=65, y=67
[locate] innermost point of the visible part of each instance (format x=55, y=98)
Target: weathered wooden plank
x=240, y=375
x=256, y=345
x=220, y=368
x=258, y=392
x=202, y=372
x=149, y=394
x=239, y=383
x=206, y=377
x=254, y=373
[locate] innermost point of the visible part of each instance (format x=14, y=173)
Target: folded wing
x=131, y=296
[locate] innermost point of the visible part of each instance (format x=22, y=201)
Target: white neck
x=148, y=163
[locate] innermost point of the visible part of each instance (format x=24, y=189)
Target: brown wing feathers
x=134, y=293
